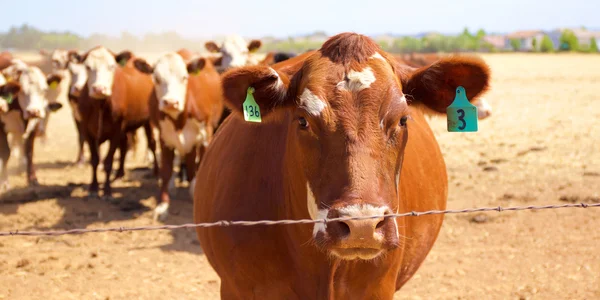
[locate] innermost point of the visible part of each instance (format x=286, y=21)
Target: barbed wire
x=224, y=223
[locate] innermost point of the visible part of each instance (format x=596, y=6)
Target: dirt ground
x=541, y=146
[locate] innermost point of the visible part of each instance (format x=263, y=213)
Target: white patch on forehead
x=170, y=64
x=377, y=56
x=357, y=81
x=98, y=57
x=311, y=103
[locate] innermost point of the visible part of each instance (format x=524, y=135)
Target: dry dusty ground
x=542, y=143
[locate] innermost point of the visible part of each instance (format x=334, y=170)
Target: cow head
x=235, y=52
x=101, y=65
x=348, y=113
x=78, y=72
x=58, y=57
x=32, y=95
x=170, y=75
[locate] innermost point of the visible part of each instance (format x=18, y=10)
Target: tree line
x=26, y=37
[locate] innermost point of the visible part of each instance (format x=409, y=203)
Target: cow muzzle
x=361, y=238
x=34, y=113
x=99, y=91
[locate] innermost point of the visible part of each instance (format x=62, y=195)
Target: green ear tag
x=251, y=109
x=462, y=115
x=9, y=98
x=123, y=62
x=53, y=85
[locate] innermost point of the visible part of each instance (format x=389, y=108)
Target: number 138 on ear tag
x=250, y=107
x=462, y=115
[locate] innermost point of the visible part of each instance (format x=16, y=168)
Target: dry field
x=541, y=146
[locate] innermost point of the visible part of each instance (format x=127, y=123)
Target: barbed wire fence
x=224, y=223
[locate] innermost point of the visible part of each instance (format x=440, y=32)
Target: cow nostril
x=344, y=229
x=380, y=224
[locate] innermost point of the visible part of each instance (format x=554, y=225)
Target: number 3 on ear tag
x=462, y=115
x=251, y=109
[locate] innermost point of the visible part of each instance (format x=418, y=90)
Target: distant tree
x=534, y=44
x=546, y=44
x=384, y=45
x=568, y=41
x=480, y=34
x=593, y=46
x=515, y=44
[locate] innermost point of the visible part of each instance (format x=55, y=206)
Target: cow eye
x=303, y=123
x=403, y=121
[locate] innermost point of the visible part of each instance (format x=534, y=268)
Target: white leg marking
x=161, y=211
x=313, y=104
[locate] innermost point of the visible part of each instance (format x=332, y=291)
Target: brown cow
x=276, y=57
x=343, y=134
x=186, y=108
x=113, y=102
x=5, y=60
x=24, y=106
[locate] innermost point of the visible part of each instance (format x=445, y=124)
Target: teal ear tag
x=251, y=109
x=462, y=115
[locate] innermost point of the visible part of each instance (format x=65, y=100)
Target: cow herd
x=343, y=134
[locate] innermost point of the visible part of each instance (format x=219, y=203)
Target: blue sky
x=199, y=18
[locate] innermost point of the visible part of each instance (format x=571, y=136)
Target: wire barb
x=225, y=223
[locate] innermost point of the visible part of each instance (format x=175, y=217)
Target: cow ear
x=270, y=89
x=435, y=85
x=254, y=45
x=9, y=90
x=74, y=57
x=53, y=79
x=123, y=57
x=195, y=66
x=212, y=47
x=142, y=66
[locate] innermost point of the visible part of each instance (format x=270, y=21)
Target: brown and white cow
x=24, y=106
x=235, y=52
x=186, y=108
x=113, y=102
x=343, y=134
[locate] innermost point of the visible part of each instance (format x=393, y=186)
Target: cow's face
x=235, y=52
x=32, y=95
x=59, y=59
x=101, y=65
x=349, y=117
x=170, y=75
x=79, y=75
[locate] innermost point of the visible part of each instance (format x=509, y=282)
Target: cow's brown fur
x=348, y=155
